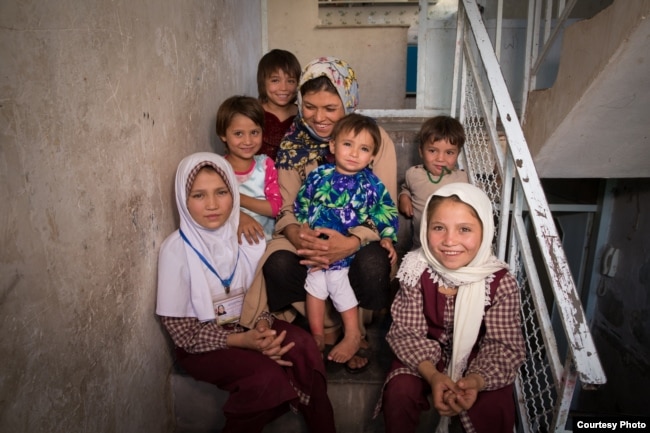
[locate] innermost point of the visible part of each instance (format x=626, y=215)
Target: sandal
x=361, y=353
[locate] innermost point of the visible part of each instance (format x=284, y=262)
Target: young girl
x=340, y=196
x=456, y=328
x=441, y=140
x=202, y=266
x=277, y=83
x=240, y=121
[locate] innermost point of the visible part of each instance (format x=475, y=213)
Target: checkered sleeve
x=407, y=336
x=501, y=350
x=195, y=336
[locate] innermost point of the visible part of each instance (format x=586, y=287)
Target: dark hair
x=442, y=128
x=244, y=105
x=318, y=84
x=356, y=123
x=271, y=62
x=437, y=200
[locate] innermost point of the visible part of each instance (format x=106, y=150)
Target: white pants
x=333, y=283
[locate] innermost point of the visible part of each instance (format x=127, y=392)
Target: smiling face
x=281, y=88
x=454, y=233
x=321, y=110
x=209, y=201
x=437, y=155
x=243, y=138
x=352, y=153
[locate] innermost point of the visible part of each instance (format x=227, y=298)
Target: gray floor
x=354, y=396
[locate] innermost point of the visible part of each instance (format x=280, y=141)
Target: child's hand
x=276, y=349
x=444, y=393
x=405, y=205
x=469, y=386
x=387, y=244
x=251, y=229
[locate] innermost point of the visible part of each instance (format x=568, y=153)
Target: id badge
x=227, y=308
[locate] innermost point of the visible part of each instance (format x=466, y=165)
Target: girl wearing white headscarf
x=456, y=333
x=199, y=266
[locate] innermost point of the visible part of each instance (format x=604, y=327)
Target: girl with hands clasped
x=456, y=329
x=202, y=267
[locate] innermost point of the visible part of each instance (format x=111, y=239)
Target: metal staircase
x=497, y=158
x=502, y=165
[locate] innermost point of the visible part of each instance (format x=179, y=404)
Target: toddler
x=340, y=196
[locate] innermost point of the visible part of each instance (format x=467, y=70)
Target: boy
x=441, y=141
x=277, y=83
x=339, y=196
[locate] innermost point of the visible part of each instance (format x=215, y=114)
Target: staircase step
x=197, y=405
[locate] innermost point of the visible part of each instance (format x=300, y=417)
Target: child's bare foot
x=346, y=349
x=320, y=342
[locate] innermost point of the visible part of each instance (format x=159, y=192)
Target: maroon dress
x=274, y=131
x=405, y=396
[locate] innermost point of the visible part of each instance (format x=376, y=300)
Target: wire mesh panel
x=535, y=384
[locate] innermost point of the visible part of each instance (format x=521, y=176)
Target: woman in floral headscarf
x=328, y=90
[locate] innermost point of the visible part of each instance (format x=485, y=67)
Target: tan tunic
x=418, y=186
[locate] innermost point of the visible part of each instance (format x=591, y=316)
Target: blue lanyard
x=228, y=281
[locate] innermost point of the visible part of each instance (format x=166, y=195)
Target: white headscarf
x=185, y=284
x=470, y=279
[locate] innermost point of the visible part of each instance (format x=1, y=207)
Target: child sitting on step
x=441, y=140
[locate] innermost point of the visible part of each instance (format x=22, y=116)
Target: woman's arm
x=502, y=349
x=385, y=165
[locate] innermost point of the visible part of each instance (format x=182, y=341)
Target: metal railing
x=497, y=159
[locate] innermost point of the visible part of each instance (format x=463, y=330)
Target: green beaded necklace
x=445, y=170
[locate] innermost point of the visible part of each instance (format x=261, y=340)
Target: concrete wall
x=621, y=322
x=377, y=53
x=99, y=100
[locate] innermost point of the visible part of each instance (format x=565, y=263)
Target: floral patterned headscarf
x=301, y=145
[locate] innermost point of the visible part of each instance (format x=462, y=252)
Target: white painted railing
x=497, y=159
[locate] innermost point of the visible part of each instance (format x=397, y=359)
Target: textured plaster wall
x=621, y=324
x=99, y=100
x=377, y=53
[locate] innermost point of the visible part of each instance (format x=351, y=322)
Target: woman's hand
x=321, y=247
x=302, y=237
x=250, y=228
x=387, y=244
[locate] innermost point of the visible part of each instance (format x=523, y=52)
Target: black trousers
x=369, y=276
